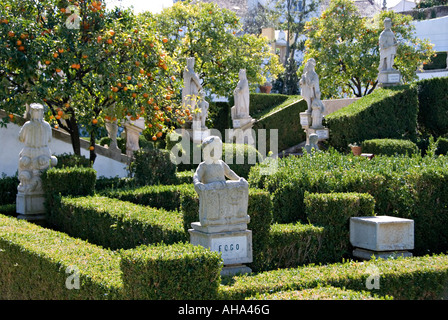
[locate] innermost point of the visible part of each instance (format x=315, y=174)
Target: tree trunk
x=92, y=150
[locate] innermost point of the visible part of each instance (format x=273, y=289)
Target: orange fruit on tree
x=159, y=134
x=58, y=70
x=164, y=40
x=11, y=34
x=19, y=42
x=21, y=48
x=145, y=95
x=134, y=95
x=111, y=32
x=154, y=138
x=94, y=121
x=11, y=116
x=55, y=55
x=91, y=148
x=61, y=50
x=47, y=62
x=109, y=41
x=129, y=77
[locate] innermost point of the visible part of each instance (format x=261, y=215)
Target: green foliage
x=69, y=181
x=34, y=263
x=121, y=143
x=8, y=189
x=438, y=61
x=402, y=186
x=116, y=224
x=284, y=118
x=385, y=113
x=345, y=47
x=261, y=102
x=288, y=246
x=442, y=146
x=389, y=147
x=333, y=211
x=212, y=36
x=319, y=293
x=433, y=108
x=176, y=272
x=403, y=279
x=153, y=166
x=8, y=209
x=72, y=160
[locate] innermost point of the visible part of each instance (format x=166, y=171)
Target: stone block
x=382, y=233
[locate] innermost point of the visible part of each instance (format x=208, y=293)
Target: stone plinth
x=387, y=78
x=30, y=204
x=381, y=236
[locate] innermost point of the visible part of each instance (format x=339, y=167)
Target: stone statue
x=318, y=109
x=313, y=140
x=201, y=116
x=241, y=96
x=35, y=157
x=192, y=85
x=388, y=46
x=309, y=84
x=222, y=203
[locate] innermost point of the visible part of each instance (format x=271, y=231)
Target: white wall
x=10, y=147
x=436, y=30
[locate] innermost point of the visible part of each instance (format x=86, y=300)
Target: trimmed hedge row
x=408, y=187
x=385, y=113
x=178, y=271
x=69, y=181
x=34, y=260
x=116, y=224
x=320, y=293
x=389, y=147
x=403, y=278
x=8, y=189
x=333, y=211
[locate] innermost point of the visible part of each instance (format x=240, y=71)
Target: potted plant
x=266, y=88
x=356, y=148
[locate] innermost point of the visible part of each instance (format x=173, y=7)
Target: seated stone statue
x=222, y=203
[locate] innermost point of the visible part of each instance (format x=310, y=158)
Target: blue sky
x=142, y=5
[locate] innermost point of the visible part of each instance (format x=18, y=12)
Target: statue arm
x=197, y=177
x=229, y=173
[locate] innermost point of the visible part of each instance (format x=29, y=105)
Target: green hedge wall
x=69, y=181
x=389, y=147
x=8, y=189
x=116, y=224
x=286, y=121
x=385, y=113
x=407, y=187
x=153, y=166
x=413, y=278
x=34, y=261
x=176, y=272
x=261, y=102
x=433, y=105
x=333, y=211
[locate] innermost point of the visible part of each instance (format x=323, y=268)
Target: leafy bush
x=403, y=278
x=177, y=272
x=385, y=113
x=116, y=224
x=72, y=160
x=442, y=146
x=433, y=107
x=389, y=147
x=288, y=246
x=121, y=143
x=153, y=166
x=333, y=211
x=397, y=183
x=34, y=263
x=106, y=183
x=8, y=189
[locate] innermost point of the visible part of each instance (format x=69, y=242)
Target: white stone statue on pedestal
x=309, y=84
x=241, y=96
x=318, y=109
x=192, y=86
x=388, y=47
x=223, y=204
x=34, y=158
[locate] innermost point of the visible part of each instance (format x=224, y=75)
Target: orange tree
x=214, y=37
x=345, y=47
x=86, y=64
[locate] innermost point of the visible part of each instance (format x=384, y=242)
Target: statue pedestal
x=322, y=132
x=30, y=207
x=388, y=78
x=222, y=225
x=242, y=130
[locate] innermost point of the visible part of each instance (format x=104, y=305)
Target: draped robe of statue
x=388, y=47
x=309, y=84
x=241, y=96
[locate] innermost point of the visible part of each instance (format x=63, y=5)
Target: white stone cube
x=382, y=233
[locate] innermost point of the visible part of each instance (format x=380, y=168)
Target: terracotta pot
x=356, y=151
x=265, y=89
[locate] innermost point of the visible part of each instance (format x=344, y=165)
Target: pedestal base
x=231, y=270
x=30, y=204
x=388, y=78
x=368, y=254
x=235, y=246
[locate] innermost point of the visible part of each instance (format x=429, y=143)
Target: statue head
x=36, y=112
x=212, y=149
x=190, y=62
x=387, y=23
x=242, y=74
x=310, y=64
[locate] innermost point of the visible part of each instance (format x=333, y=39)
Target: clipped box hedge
x=333, y=211
x=385, y=113
x=389, y=147
x=406, y=187
x=69, y=181
x=288, y=246
x=176, y=272
x=403, y=278
x=116, y=224
x=8, y=189
x=34, y=261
